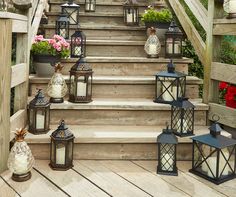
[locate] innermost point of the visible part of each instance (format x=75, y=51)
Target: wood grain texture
x=17, y=120
x=6, y=191
x=18, y=74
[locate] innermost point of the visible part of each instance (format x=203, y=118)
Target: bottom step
x=113, y=142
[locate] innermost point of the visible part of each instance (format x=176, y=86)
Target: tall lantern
x=131, y=12
x=90, y=5
x=39, y=114
x=170, y=85
x=167, y=143
x=214, y=156
x=61, y=151
x=182, y=117
x=72, y=10
x=173, y=41
x=63, y=26
x=78, y=44
x=81, y=76
x=230, y=8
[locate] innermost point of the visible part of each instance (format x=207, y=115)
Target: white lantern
x=230, y=8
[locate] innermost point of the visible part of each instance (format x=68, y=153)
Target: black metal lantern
x=182, y=117
x=72, y=10
x=214, y=156
x=61, y=151
x=81, y=77
x=78, y=44
x=173, y=41
x=167, y=143
x=131, y=12
x=63, y=26
x=170, y=85
x=43, y=22
x=39, y=114
x=90, y=5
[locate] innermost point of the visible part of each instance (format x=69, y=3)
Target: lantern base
x=21, y=177
x=72, y=100
x=175, y=173
x=231, y=16
x=56, y=100
x=58, y=168
x=162, y=101
x=183, y=134
x=153, y=56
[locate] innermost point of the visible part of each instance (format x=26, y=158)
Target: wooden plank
x=228, y=188
x=19, y=26
x=199, y=11
x=224, y=29
x=18, y=74
x=227, y=114
x=183, y=181
x=5, y=89
x=107, y=180
x=75, y=183
x=223, y=72
x=189, y=29
x=36, y=185
x=145, y=180
x=14, y=16
x=17, y=121
x=6, y=190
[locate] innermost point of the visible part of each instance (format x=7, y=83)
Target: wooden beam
x=190, y=30
x=227, y=114
x=224, y=27
x=18, y=74
x=5, y=89
x=17, y=120
x=199, y=12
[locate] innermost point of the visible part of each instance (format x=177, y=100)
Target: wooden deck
x=112, y=178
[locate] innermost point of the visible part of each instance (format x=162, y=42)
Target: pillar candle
x=60, y=155
x=21, y=164
x=73, y=17
x=39, y=121
x=152, y=49
x=170, y=48
x=56, y=91
x=63, y=32
x=81, y=89
x=130, y=17
x=168, y=162
x=185, y=126
x=223, y=162
x=77, y=50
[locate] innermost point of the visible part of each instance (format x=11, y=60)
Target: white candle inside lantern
x=223, y=162
x=170, y=48
x=152, y=49
x=212, y=164
x=73, y=17
x=77, y=50
x=168, y=162
x=63, y=32
x=130, y=17
x=56, y=91
x=21, y=164
x=81, y=89
x=39, y=121
x=177, y=48
x=60, y=155
x=185, y=126
x=171, y=93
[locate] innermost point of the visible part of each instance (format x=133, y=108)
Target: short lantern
x=90, y=5
x=39, y=114
x=214, y=156
x=61, y=151
x=230, y=8
x=63, y=26
x=167, y=143
x=72, y=10
x=182, y=117
x=78, y=44
x=131, y=12
x=170, y=85
x=173, y=41
x=81, y=76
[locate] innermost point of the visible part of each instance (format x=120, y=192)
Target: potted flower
x=47, y=52
x=156, y=18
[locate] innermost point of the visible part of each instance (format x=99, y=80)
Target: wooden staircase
x=122, y=122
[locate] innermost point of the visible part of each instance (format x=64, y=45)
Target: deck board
x=6, y=190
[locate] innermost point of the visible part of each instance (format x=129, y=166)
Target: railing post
x=5, y=89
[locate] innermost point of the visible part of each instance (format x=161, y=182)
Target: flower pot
x=158, y=25
x=44, y=64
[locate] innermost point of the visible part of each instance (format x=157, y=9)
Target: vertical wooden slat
x=5, y=89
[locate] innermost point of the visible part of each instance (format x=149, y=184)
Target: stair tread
x=115, y=42
x=114, y=134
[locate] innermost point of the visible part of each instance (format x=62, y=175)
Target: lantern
x=72, y=10
x=182, y=117
x=230, y=8
x=62, y=26
x=78, y=44
x=167, y=143
x=81, y=75
x=173, y=41
x=43, y=22
x=152, y=45
x=61, y=151
x=57, y=87
x=170, y=85
x=90, y=5
x=20, y=160
x=131, y=12
x=214, y=156
x=39, y=114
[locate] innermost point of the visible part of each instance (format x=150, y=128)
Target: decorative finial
x=20, y=134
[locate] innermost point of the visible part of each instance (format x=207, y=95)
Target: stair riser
x=113, y=151
x=117, y=117
x=125, y=91
x=106, y=1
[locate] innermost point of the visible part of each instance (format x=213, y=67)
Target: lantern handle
x=167, y=125
x=215, y=118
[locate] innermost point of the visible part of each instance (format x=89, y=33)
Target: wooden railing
x=15, y=76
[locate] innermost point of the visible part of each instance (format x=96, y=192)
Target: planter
x=44, y=64
x=157, y=25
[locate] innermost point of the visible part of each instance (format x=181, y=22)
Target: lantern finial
x=215, y=128
x=171, y=67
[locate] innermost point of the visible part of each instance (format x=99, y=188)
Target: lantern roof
x=174, y=29
x=62, y=132
x=39, y=100
x=182, y=103
x=81, y=65
x=70, y=4
x=131, y=2
x=167, y=137
x=63, y=17
x=78, y=33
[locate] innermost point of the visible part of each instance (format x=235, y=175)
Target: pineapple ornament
x=57, y=87
x=20, y=160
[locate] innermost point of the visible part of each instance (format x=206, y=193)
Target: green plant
x=152, y=15
x=228, y=51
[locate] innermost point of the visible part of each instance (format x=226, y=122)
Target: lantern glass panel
x=52, y=151
x=40, y=119
x=89, y=86
x=47, y=117
x=70, y=151
x=32, y=120
x=167, y=157
x=90, y=5
x=72, y=10
x=72, y=85
x=81, y=86
x=60, y=153
x=131, y=14
x=177, y=46
x=169, y=45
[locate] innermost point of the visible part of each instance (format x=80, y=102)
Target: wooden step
x=121, y=86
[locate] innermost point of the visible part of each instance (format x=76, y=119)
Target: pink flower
x=57, y=46
x=38, y=38
x=65, y=44
x=51, y=41
x=57, y=37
